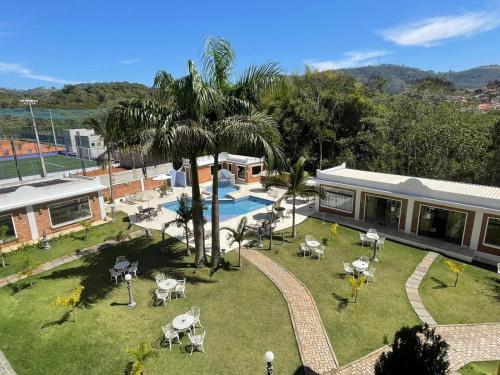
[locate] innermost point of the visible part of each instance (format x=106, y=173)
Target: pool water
x=223, y=190
x=228, y=208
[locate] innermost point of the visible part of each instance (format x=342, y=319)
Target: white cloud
x=350, y=60
x=431, y=31
x=128, y=62
x=24, y=72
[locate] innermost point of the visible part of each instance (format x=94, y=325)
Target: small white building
x=91, y=144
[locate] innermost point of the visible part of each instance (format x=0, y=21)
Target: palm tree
x=295, y=183
x=184, y=216
x=140, y=356
x=237, y=235
x=3, y=235
x=237, y=126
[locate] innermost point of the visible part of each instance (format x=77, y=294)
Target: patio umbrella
x=144, y=196
x=161, y=177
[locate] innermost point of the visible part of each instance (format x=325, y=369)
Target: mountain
x=398, y=76
x=80, y=96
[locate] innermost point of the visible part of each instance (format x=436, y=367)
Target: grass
x=64, y=245
x=31, y=166
x=354, y=329
x=475, y=299
x=481, y=368
x=243, y=314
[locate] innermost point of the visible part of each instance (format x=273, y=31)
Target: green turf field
x=31, y=166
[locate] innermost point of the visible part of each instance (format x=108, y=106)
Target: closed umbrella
x=144, y=196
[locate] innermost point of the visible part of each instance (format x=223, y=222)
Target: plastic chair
x=163, y=296
x=197, y=342
x=170, y=334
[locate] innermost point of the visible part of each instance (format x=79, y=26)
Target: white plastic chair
x=170, y=334
x=120, y=258
x=380, y=243
x=180, y=288
x=348, y=270
x=114, y=273
x=320, y=252
x=364, y=258
x=309, y=238
x=163, y=296
x=370, y=274
x=195, y=312
x=197, y=342
x=133, y=268
x=363, y=239
x=498, y=268
x=304, y=250
x=160, y=277
x=372, y=230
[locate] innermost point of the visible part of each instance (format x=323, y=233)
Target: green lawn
x=243, y=313
x=475, y=299
x=481, y=368
x=65, y=245
x=355, y=329
x=31, y=166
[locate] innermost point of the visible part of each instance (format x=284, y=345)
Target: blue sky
x=53, y=42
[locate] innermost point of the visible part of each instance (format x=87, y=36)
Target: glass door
x=442, y=224
x=382, y=211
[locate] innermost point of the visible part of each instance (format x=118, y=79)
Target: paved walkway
x=412, y=285
x=5, y=367
x=468, y=343
x=314, y=346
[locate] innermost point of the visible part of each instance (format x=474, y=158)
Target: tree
x=141, y=355
x=87, y=225
x=72, y=300
x=3, y=235
x=456, y=268
x=295, y=183
x=356, y=283
x=184, y=216
x=29, y=267
x=237, y=236
x=416, y=350
x=334, y=230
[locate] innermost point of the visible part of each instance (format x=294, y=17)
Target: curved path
x=314, y=346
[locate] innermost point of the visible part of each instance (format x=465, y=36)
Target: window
x=69, y=211
x=338, y=199
x=443, y=224
x=256, y=170
x=492, y=235
x=7, y=221
x=93, y=144
x=382, y=211
x=241, y=173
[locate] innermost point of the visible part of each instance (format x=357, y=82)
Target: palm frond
x=218, y=60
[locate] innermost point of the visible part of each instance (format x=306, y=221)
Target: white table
x=120, y=266
x=183, y=322
x=167, y=284
x=372, y=236
x=360, y=265
x=313, y=243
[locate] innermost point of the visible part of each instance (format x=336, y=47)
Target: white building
x=91, y=144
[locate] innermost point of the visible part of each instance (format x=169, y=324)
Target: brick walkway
x=468, y=343
x=314, y=346
x=412, y=285
x=5, y=367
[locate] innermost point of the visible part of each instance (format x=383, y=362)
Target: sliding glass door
x=443, y=224
x=382, y=211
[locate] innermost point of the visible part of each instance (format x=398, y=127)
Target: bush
x=416, y=350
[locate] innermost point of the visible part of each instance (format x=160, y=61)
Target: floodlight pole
x=53, y=131
x=31, y=102
x=14, y=153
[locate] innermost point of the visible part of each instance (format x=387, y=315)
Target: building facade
x=83, y=142
x=457, y=215
x=51, y=205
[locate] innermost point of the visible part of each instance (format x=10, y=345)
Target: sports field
x=31, y=166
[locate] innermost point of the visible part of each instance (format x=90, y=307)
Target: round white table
x=120, y=266
x=360, y=265
x=313, y=243
x=167, y=284
x=183, y=322
x=372, y=236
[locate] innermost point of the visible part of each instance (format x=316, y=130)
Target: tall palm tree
x=295, y=183
x=184, y=216
x=237, y=126
x=237, y=235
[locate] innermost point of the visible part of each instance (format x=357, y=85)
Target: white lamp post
x=269, y=356
x=131, y=302
x=30, y=103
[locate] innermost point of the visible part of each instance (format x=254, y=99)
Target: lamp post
x=269, y=356
x=375, y=248
x=131, y=302
x=31, y=102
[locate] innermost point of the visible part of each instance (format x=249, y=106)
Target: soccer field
x=31, y=166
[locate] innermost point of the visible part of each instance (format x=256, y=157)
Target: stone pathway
x=412, y=285
x=468, y=343
x=5, y=367
x=314, y=346
x=66, y=259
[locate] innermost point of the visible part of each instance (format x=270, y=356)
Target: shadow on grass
x=440, y=284
x=302, y=370
x=494, y=286
x=63, y=319
x=342, y=302
x=94, y=274
x=19, y=287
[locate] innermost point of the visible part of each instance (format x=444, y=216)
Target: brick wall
x=248, y=174
x=204, y=174
x=404, y=207
x=333, y=210
x=22, y=226
x=468, y=225
x=132, y=187
x=481, y=246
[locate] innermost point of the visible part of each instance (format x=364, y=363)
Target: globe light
x=269, y=357
x=128, y=277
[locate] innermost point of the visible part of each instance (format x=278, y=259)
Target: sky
x=54, y=42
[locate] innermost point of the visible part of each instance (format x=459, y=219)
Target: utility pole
x=53, y=132
x=79, y=153
x=31, y=102
x=14, y=152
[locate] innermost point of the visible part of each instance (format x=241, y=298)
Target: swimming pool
x=228, y=208
x=223, y=190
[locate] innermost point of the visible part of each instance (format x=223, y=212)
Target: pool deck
x=303, y=210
